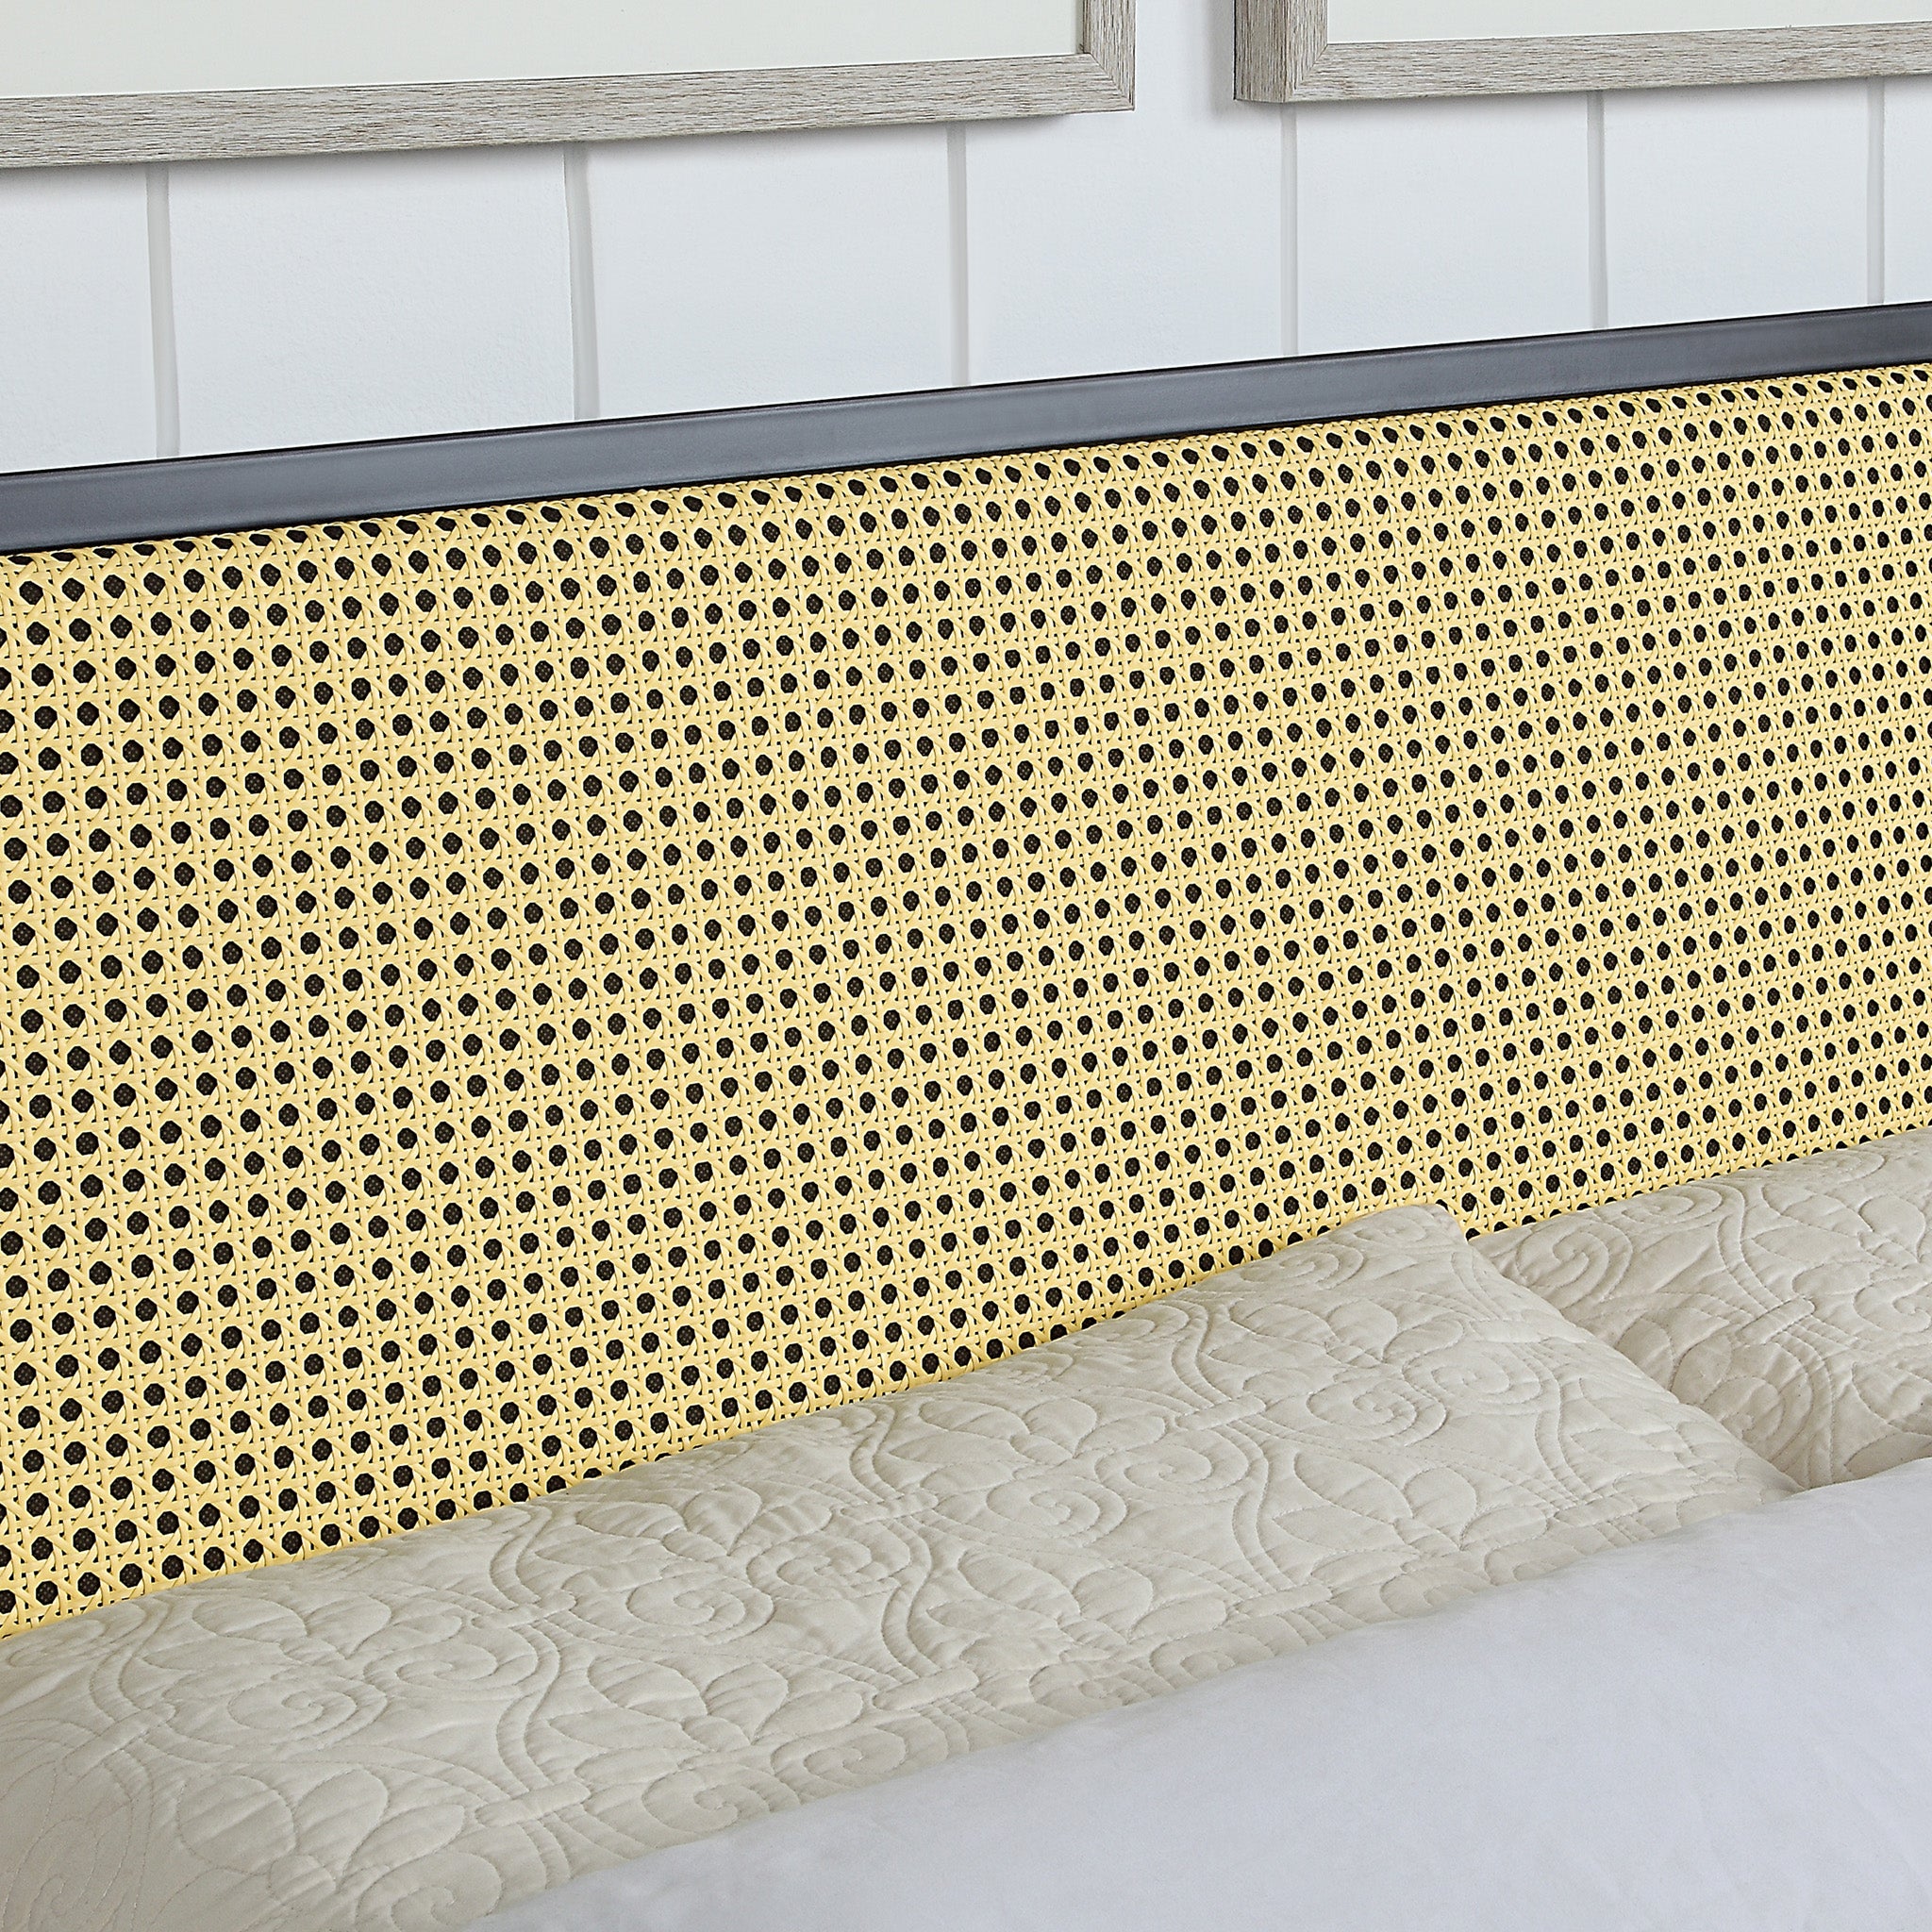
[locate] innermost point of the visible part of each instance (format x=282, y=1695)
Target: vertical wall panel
x=379, y=296
x=1908, y=190
x=77, y=353
x=1443, y=221
x=770, y=268
x=386, y=295
x=1735, y=201
x=1130, y=241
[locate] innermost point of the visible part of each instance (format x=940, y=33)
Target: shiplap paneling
x=352, y=297
x=1908, y=190
x=318, y=301
x=1127, y=242
x=1441, y=221
x=770, y=268
x=1735, y=201
x=76, y=352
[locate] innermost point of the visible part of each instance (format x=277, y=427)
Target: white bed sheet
x=1728, y=1729
x=404, y=1737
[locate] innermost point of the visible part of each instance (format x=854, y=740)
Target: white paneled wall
x=77, y=341
x=1728, y=200
x=222, y=305
x=317, y=301
x=1906, y=133
x=1443, y=221
x=763, y=268
x=1129, y=241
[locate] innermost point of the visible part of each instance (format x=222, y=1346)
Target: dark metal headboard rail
x=190, y=496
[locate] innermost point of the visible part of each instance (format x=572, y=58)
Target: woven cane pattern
x=490, y=996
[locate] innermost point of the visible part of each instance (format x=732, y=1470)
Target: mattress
x=421, y=1731
x=1728, y=1729
x=1792, y=1302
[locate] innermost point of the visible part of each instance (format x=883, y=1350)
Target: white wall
x=233, y=305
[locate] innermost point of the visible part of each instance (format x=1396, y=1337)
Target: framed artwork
x=1344, y=50
x=127, y=80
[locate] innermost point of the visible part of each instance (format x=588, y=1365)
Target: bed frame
x=495, y=993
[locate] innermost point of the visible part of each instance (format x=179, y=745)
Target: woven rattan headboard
x=495, y=994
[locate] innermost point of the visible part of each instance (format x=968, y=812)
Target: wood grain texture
x=1110, y=40
x=1262, y=35
x=295, y=121
x=1284, y=54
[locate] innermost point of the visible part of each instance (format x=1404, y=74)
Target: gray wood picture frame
x=307, y=121
x=1283, y=53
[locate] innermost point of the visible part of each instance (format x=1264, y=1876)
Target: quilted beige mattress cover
x=416, y=1733
x=1792, y=1302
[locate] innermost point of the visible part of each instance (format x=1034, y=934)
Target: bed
x=1722, y=1728
x=718, y=1189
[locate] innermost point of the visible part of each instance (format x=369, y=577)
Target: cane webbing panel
x=494, y=995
